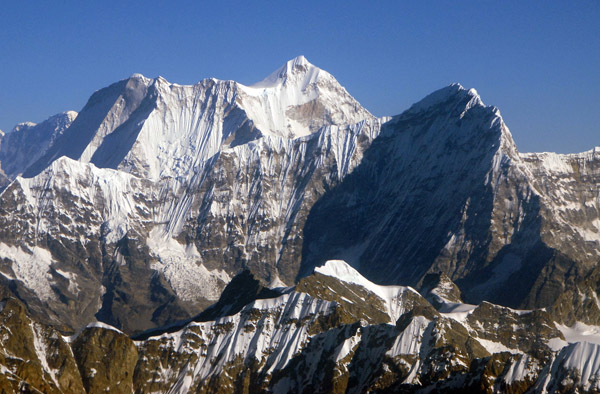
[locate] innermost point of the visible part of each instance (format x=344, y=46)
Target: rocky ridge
x=312, y=337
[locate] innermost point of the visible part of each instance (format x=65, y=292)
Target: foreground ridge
x=331, y=333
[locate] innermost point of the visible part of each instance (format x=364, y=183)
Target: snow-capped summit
x=341, y=270
x=454, y=92
x=296, y=68
x=297, y=99
x=140, y=77
x=156, y=129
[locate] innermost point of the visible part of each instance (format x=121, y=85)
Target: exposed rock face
x=33, y=356
x=444, y=189
x=382, y=339
x=439, y=288
x=106, y=360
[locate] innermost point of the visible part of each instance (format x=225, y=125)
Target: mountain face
x=212, y=221
x=444, y=189
x=176, y=189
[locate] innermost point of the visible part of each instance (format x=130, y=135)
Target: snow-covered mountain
x=179, y=187
x=139, y=210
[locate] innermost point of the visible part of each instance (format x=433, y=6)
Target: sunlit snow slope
x=177, y=188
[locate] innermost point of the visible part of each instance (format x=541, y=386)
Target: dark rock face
x=395, y=209
x=106, y=360
x=443, y=189
x=33, y=356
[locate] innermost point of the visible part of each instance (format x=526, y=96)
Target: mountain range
x=223, y=237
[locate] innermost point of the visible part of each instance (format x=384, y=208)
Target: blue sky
x=538, y=61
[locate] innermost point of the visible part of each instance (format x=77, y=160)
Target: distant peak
x=63, y=118
x=296, y=66
x=67, y=115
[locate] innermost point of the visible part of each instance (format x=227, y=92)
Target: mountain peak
x=63, y=117
x=299, y=61
x=453, y=92
x=297, y=66
x=139, y=76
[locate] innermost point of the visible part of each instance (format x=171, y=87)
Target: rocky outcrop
x=34, y=357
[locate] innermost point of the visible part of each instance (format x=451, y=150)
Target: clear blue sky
x=538, y=61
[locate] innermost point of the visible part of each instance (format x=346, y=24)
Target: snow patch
x=496, y=347
x=580, y=332
x=96, y=324
x=182, y=267
x=456, y=311
x=99, y=324
x=31, y=267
